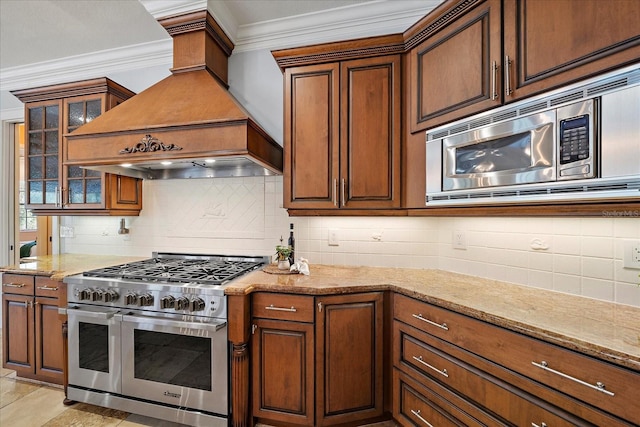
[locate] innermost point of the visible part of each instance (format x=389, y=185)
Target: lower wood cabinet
x=494, y=370
x=33, y=343
x=317, y=360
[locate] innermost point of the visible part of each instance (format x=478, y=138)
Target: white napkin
x=301, y=266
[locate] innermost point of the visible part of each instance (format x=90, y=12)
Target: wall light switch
x=66, y=231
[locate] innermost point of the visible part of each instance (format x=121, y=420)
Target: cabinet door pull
x=319, y=307
x=291, y=310
x=48, y=288
x=507, y=75
x=334, y=190
x=62, y=203
x=536, y=425
x=494, y=76
x=14, y=285
x=342, y=185
x=442, y=372
x=441, y=326
x=599, y=386
x=417, y=414
x=57, y=196
x=253, y=329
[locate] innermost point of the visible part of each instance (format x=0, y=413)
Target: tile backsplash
x=582, y=256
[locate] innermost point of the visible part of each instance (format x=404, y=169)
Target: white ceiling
x=49, y=41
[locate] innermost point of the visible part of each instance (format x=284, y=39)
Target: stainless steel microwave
x=579, y=142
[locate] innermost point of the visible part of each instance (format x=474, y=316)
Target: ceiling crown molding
x=86, y=66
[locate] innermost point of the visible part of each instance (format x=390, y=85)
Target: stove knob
x=130, y=298
x=197, y=304
x=182, y=303
x=145, y=300
x=84, y=294
x=97, y=295
x=167, y=301
x=110, y=295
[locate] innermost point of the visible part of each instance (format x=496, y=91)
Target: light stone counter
x=59, y=266
x=596, y=328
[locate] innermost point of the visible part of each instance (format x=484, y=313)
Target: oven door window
x=172, y=359
x=93, y=352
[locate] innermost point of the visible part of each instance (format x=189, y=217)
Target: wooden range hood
x=189, y=118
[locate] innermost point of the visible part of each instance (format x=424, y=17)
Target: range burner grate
x=201, y=271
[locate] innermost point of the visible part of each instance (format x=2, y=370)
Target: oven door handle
x=213, y=326
x=102, y=315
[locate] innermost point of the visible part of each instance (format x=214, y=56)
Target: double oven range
x=150, y=337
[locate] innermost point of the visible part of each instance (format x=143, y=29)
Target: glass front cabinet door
x=54, y=188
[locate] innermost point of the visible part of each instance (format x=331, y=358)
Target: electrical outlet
x=632, y=254
x=459, y=240
x=334, y=239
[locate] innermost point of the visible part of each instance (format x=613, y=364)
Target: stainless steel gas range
x=150, y=337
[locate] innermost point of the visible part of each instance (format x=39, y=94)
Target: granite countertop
x=59, y=266
x=601, y=329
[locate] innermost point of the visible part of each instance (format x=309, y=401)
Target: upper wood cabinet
x=53, y=188
x=468, y=56
x=342, y=133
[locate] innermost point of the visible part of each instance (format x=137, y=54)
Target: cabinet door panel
x=552, y=46
x=49, y=346
x=453, y=69
x=311, y=136
x=349, y=358
x=17, y=336
x=370, y=135
x=283, y=371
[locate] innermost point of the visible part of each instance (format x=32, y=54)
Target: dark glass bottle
x=292, y=244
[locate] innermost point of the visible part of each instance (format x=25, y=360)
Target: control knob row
x=182, y=303
x=142, y=300
x=105, y=295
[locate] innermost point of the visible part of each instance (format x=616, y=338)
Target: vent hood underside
x=186, y=119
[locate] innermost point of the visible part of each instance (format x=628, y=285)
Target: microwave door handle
x=213, y=326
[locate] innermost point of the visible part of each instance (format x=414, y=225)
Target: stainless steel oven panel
x=104, y=374
x=584, y=168
x=541, y=167
x=214, y=400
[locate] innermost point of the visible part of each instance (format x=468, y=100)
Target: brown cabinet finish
x=342, y=134
x=54, y=188
x=553, y=46
x=511, y=357
x=349, y=358
x=454, y=72
x=468, y=56
x=33, y=343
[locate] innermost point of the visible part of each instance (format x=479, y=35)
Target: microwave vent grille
x=479, y=123
x=574, y=96
x=459, y=129
x=534, y=192
x=438, y=135
x=505, y=115
x=595, y=90
x=531, y=108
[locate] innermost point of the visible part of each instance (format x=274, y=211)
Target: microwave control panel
x=574, y=139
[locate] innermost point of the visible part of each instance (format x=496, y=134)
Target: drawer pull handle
x=598, y=387
x=442, y=372
x=417, y=414
x=541, y=425
x=291, y=310
x=419, y=317
x=14, y=285
x=48, y=288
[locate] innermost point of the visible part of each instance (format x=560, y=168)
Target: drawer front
x=21, y=284
x=560, y=369
x=299, y=308
x=420, y=411
x=45, y=287
x=490, y=392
